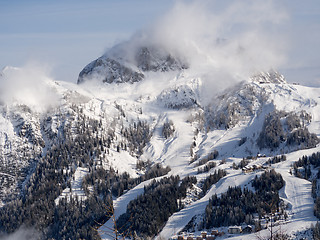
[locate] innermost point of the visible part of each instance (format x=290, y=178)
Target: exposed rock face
x=109, y=70
x=152, y=59
x=117, y=66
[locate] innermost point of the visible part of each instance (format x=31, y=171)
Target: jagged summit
x=271, y=76
x=108, y=70
x=127, y=63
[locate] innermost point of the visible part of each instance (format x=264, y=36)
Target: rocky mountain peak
x=109, y=70
x=118, y=66
x=156, y=59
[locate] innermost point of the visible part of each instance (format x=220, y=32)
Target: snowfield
x=76, y=190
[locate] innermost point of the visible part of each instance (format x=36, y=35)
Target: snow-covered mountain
x=133, y=112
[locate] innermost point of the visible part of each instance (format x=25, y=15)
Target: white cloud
x=28, y=85
x=225, y=41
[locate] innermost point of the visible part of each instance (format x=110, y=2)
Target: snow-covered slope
x=148, y=95
x=255, y=101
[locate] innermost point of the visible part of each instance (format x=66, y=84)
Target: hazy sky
x=66, y=35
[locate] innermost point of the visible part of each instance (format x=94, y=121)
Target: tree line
x=147, y=214
x=79, y=142
x=291, y=132
x=237, y=205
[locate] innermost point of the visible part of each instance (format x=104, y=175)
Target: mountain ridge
x=119, y=125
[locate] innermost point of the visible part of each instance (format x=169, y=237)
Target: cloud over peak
x=231, y=36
